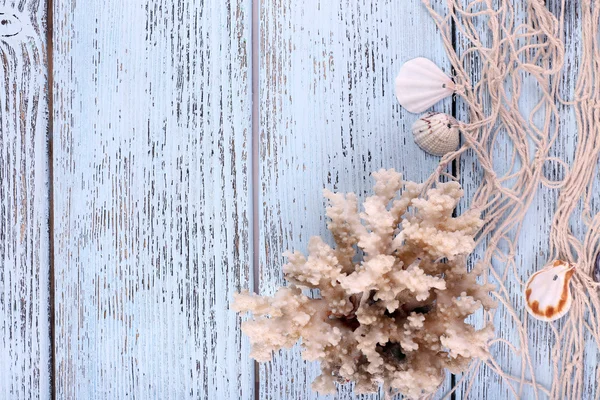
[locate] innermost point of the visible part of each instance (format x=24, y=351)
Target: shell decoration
x=420, y=84
x=547, y=292
x=436, y=133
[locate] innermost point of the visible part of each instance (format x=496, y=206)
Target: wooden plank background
x=24, y=206
x=152, y=127
x=533, y=242
x=190, y=144
x=328, y=118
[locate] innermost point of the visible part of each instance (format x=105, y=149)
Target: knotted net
x=498, y=49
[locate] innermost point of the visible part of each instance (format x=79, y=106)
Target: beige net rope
x=508, y=54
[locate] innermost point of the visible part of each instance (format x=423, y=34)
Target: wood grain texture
x=565, y=150
x=24, y=206
x=328, y=118
x=486, y=383
x=152, y=198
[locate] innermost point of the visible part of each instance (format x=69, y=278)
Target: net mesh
x=505, y=49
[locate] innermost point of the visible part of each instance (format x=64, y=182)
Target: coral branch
x=396, y=314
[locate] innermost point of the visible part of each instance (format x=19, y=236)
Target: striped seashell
x=420, y=84
x=547, y=292
x=436, y=133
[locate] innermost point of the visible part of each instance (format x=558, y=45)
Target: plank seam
x=255, y=154
x=455, y=167
x=50, y=137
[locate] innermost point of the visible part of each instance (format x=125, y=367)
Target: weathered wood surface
x=565, y=149
x=154, y=176
x=24, y=176
x=328, y=118
x=152, y=128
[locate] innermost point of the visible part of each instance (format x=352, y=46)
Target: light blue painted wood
x=328, y=118
x=24, y=204
x=152, y=182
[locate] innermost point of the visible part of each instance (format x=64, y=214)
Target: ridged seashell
x=547, y=292
x=436, y=133
x=420, y=84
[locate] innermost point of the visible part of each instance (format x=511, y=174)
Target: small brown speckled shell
x=436, y=133
x=547, y=292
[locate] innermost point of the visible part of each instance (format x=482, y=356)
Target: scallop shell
x=547, y=292
x=436, y=133
x=420, y=84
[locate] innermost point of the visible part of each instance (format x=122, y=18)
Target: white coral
x=397, y=316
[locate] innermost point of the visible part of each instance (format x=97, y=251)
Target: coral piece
x=394, y=293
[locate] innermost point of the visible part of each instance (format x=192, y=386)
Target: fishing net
x=502, y=51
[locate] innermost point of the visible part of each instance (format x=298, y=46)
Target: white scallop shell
x=547, y=292
x=420, y=84
x=436, y=133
